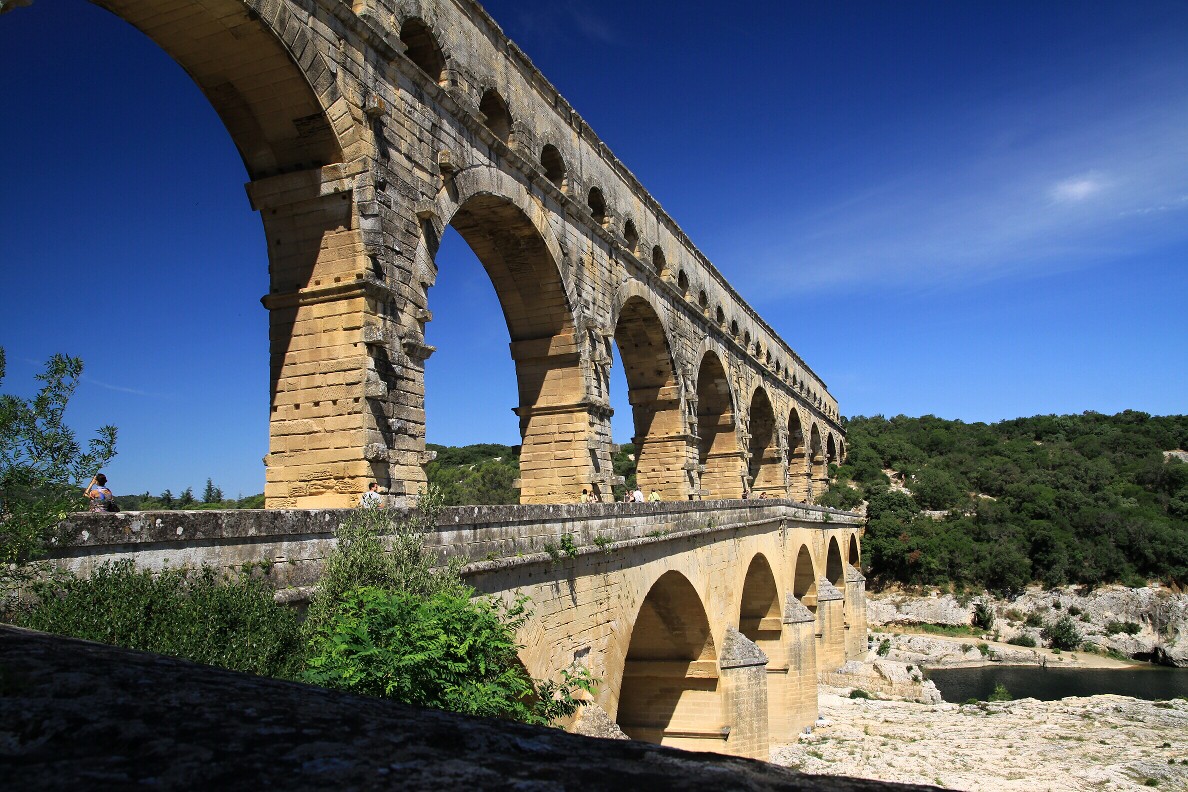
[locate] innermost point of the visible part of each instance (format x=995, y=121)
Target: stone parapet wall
x=290, y=544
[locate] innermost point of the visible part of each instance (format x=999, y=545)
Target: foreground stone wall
x=79, y=715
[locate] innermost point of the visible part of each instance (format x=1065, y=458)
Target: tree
x=211, y=494
x=187, y=498
x=42, y=466
x=166, y=499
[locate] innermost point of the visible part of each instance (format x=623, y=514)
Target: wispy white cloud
x=1078, y=188
x=1024, y=196
x=122, y=388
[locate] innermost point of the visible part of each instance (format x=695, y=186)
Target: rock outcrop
x=1157, y=616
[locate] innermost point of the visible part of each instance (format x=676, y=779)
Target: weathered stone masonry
x=706, y=622
x=369, y=127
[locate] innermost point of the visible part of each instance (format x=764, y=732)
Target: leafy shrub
x=983, y=615
x=1114, y=627
x=1063, y=634
x=1023, y=639
x=443, y=651
x=383, y=549
x=1034, y=619
x=230, y=622
x=859, y=693
x=884, y=647
x=1000, y=693
x=1073, y=610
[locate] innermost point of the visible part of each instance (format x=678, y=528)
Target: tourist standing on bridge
x=99, y=494
x=654, y=496
x=637, y=495
x=372, y=497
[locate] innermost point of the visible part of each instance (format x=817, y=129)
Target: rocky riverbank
x=1092, y=743
x=1149, y=623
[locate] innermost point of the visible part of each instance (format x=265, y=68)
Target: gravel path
x=1091, y=743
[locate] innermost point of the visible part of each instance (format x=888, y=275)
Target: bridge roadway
x=707, y=622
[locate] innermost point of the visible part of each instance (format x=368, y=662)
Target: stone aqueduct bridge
x=369, y=127
x=707, y=622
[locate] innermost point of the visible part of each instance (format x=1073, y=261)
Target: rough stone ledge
x=81, y=715
x=89, y=529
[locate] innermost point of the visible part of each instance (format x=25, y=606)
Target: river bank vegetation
x=1084, y=499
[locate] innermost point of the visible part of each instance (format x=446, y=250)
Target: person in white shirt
x=372, y=497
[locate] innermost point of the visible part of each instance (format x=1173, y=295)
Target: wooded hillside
x=1085, y=498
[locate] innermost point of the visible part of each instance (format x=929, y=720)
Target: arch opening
x=279, y=127
x=798, y=484
x=422, y=49
x=597, y=205
x=804, y=581
x=718, y=454
x=543, y=343
x=554, y=165
x=497, y=115
x=817, y=475
x=670, y=677
x=652, y=392
x=835, y=571
x=631, y=237
x=760, y=612
x=659, y=263
x=765, y=466
x=855, y=552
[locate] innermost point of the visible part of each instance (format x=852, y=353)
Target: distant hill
x=1057, y=499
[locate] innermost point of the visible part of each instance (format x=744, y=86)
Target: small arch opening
x=703, y=300
x=498, y=117
x=659, y=263
x=631, y=236
x=720, y=315
x=683, y=282
x=597, y=204
x=554, y=165
x=734, y=328
x=422, y=49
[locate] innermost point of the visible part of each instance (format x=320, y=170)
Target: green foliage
x=198, y=615
x=378, y=548
x=568, y=546
x=983, y=615
x=1034, y=619
x=42, y=467
x=1114, y=627
x=1000, y=693
x=840, y=495
x=884, y=647
x=480, y=474
x=1063, y=634
x=1055, y=499
x=443, y=651
x=1023, y=639
x=859, y=693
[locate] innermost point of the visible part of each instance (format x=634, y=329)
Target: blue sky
x=977, y=210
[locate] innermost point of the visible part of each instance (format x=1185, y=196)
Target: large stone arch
x=670, y=676
x=760, y=619
x=660, y=435
x=855, y=551
x=511, y=235
x=262, y=71
x=719, y=457
x=818, y=473
x=765, y=467
x=804, y=579
x=798, y=460
x=279, y=124
x=835, y=568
